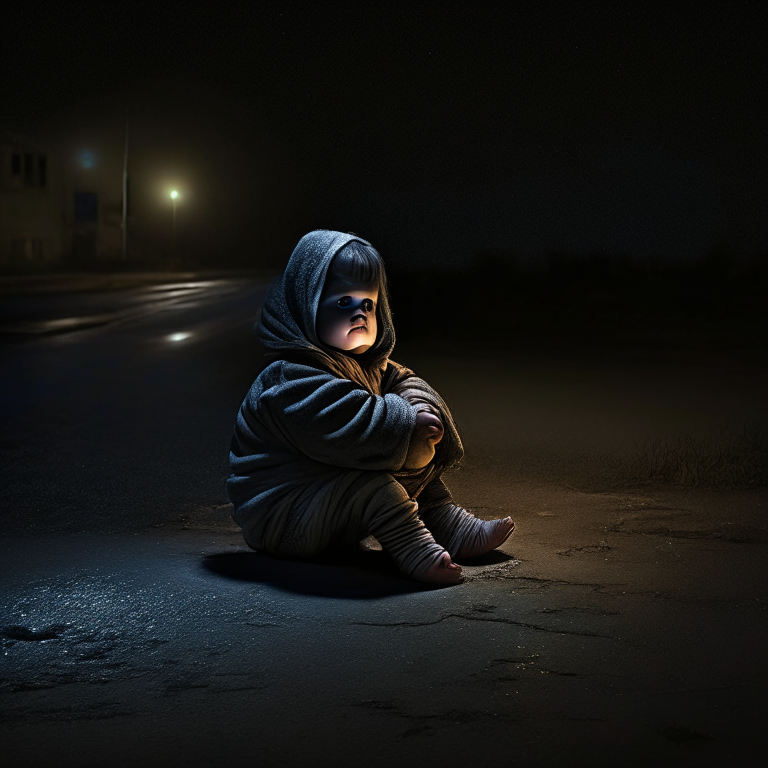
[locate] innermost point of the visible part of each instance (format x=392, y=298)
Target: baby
x=334, y=441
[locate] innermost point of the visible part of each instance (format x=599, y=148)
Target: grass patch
x=726, y=459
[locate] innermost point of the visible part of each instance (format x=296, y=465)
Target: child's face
x=346, y=316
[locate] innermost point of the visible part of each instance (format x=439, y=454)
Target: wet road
x=618, y=626
x=124, y=422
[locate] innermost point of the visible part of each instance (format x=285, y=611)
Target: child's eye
x=367, y=305
x=344, y=302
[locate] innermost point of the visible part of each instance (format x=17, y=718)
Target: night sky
x=438, y=131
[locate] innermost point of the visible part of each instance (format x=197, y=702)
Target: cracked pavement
x=618, y=625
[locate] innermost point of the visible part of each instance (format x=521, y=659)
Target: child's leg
x=352, y=505
x=459, y=531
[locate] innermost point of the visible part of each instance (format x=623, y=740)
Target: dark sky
x=437, y=131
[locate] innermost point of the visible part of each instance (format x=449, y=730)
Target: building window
x=16, y=164
x=29, y=169
x=42, y=170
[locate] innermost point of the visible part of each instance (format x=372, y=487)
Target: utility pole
x=124, y=243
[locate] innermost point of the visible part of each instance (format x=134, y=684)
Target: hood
x=287, y=323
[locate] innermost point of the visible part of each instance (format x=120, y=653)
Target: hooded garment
x=321, y=438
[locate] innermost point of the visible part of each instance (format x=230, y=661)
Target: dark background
x=437, y=131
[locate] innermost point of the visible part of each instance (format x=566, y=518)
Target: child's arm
x=328, y=419
x=418, y=393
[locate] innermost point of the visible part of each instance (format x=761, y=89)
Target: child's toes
x=444, y=571
x=501, y=532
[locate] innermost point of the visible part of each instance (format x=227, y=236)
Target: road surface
x=620, y=625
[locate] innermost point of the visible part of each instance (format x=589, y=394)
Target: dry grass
x=726, y=459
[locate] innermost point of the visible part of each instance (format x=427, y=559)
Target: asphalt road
x=619, y=625
x=117, y=407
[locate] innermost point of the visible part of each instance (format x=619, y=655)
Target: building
x=31, y=204
x=59, y=203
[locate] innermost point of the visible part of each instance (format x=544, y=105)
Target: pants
x=350, y=505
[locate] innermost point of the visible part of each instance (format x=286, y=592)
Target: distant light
x=86, y=159
x=179, y=336
x=174, y=194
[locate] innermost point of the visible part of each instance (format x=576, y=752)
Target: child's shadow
x=349, y=573
x=346, y=573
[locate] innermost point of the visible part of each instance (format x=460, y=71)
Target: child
x=334, y=441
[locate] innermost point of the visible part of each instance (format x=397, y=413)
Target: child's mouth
x=358, y=328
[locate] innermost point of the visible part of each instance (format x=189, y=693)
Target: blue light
x=86, y=159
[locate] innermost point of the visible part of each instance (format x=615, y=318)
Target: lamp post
x=174, y=198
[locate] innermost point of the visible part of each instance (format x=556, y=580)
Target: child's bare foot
x=489, y=535
x=444, y=571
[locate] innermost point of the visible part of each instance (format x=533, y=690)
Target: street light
x=174, y=198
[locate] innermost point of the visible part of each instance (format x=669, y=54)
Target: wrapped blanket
x=321, y=438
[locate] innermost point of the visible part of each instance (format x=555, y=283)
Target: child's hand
x=428, y=427
x=427, y=433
